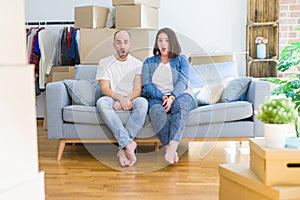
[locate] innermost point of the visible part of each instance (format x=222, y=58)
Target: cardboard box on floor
x=237, y=181
x=90, y=17
x=98, y=43
x=151, y=3
x=59, y=73
x=136, y=16
x=274, y=166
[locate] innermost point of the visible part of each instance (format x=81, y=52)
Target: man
x=121, y=85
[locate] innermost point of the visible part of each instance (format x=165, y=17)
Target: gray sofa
x=72, y=123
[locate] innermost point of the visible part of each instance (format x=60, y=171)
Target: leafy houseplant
x=276, y=114
x=290, y=86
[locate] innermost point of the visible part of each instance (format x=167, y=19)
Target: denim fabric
x=180, y=73
x=170, y=126
x=123, y=134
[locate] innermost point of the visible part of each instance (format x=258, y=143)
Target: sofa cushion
x=235, y=88
x=81, y=92
x=90, y=115
x=220, y=112
x=209, y=94
x=216, y=113
x=213, y=73
x=88, y=73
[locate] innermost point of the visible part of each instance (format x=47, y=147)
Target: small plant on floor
x=277, y=111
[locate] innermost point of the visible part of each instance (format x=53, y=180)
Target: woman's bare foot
x=123, y=158
x=130, y=153
x=171, y=155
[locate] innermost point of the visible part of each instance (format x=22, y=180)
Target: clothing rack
x=50, y=23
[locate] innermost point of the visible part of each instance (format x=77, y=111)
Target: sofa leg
x=156, y=146
x=62, y=145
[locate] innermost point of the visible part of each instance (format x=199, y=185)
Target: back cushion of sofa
x=88, y=72
x=214, y=73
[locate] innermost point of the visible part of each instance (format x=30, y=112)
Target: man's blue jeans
x=170, y=127
x=123, y=134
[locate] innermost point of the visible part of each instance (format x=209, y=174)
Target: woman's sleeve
x=149, y=89
x=183, y=77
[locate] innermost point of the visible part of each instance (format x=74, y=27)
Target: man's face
x=122, y=44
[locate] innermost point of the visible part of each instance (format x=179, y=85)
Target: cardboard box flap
x=241, y=174
x=257, y=146
x=151, y=3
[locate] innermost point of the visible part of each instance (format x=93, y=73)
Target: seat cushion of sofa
x=220, y=112
x=90, y=115
x=216, y=113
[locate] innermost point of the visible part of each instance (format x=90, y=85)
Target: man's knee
x=141, y=103
x=104, y=102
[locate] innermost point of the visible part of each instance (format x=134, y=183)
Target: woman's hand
x=167, y=103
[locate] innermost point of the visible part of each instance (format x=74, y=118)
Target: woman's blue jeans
x=170, y=126
x=123, y=134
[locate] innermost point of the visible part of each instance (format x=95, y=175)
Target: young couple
x=162, y=79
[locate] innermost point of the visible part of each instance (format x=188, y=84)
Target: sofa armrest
x=56, y=98
x=257, y=94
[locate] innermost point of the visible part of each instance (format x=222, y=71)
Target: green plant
x=277, y=111
x=290, y=86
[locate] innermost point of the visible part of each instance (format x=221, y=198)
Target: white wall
x=214, y=26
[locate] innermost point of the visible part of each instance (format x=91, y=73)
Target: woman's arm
x=149, y=89
x=182, y=82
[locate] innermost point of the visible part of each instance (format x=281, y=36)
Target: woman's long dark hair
x=174, y=46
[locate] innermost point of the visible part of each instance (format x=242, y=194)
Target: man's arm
x=137, y=87
x=107, y=91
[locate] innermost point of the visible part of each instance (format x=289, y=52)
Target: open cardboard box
x=237, y=181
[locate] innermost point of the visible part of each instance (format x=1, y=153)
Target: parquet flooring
x=90, y=172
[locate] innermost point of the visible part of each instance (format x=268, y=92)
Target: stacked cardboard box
x=90, y=17
x=271, y=174
x=139, y=17
x=136, y=13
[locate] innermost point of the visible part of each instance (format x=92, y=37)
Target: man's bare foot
x=130, y=153
x=171, y=155
x=123, y=158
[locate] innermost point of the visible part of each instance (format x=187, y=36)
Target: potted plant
x=276, y=114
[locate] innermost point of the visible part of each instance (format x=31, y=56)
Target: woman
x=166, y=87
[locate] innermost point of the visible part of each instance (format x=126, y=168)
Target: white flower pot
x=275, y=135
x=261, y=51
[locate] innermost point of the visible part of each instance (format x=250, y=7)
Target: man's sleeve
x=101, y=72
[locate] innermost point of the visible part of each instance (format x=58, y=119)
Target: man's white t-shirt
x=120, y=74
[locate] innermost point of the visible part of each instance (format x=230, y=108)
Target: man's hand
x=117, y=106
x=126, y=104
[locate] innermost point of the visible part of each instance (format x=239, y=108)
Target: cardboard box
x=59, y=73
x=136, y=16
x=90, y=17
x=211, y=58
x=151, y=3
x=274, y=166
x=96, y=44
x=237, y=181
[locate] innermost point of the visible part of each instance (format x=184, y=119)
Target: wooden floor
x=92, y=171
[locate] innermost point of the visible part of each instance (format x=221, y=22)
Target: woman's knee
x=156, y=110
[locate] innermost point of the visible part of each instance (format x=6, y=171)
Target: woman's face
x=163, y=44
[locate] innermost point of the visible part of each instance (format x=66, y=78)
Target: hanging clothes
x=47, y=41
